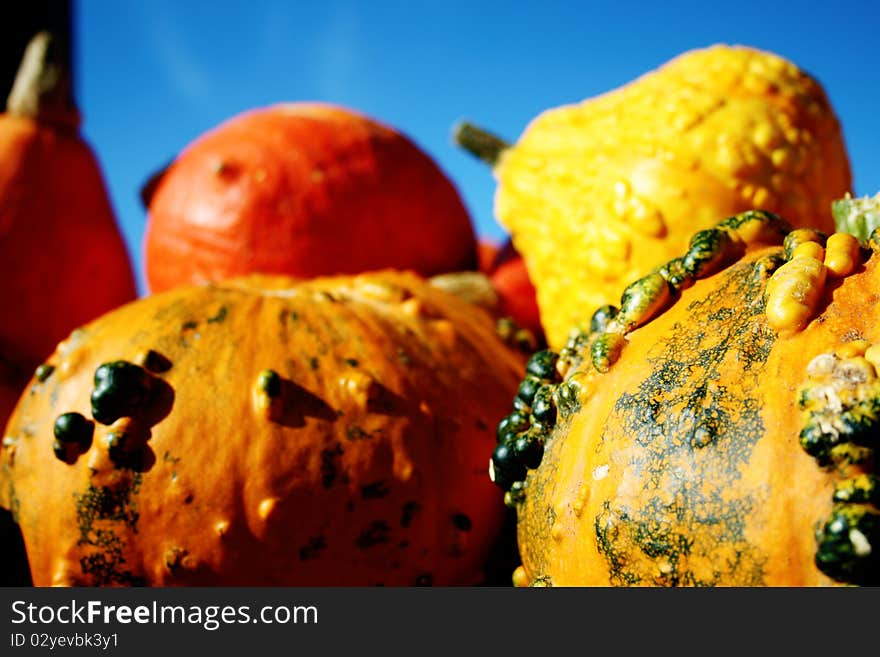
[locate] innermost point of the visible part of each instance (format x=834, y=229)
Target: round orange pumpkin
x=719, y=427
x=265, y=431
x=303, y=189
x=62, y=259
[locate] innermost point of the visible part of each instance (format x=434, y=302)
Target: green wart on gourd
x=122, y=389
x=708, y=251
x=267, y=391
x=523, y=433
x=840, y=401
x=126, y=397
x=73, y=436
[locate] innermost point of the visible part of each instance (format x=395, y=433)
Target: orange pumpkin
x=62, y=259
x=265, y=431
x=303, y=189
x=719, y=427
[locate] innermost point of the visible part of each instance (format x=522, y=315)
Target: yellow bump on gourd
x=221, y=527
x=872, y=355
x=793, y=293
x=444, y=332
x=841, y=254
x=266, y=507
x=562, y=367
x=853, y=348
x=799, y=236
x=416, y=308
x=520, y=579
x=380, y=291
x=266, y=395
x=809, y=250
x=360, y=386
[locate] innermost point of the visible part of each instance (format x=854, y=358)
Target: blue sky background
x=153, y=76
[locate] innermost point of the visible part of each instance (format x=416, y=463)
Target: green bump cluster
x=709, y=250
x=73, y=436
x=121, y=389
x=841, y=404
x=523, y=433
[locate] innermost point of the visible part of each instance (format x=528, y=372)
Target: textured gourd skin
x=367, y=467
x=596, y=194
x=62, y=258
x=682, y=465
x=303, y=189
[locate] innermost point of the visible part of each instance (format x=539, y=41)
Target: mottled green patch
x=103, y=514
x=683, y=421
x=220, y=316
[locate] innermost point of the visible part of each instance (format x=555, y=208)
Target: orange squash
x=718, y=427
x=62, y=259
x=303, y=189
x=265, y=431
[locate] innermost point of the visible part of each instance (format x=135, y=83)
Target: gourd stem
x=857, y=216
x=42, y=87
x=151, y=184
x=479, y=142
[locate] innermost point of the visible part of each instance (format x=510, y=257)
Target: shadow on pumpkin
x=299, y=404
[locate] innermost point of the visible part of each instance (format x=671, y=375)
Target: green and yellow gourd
x=718, y=426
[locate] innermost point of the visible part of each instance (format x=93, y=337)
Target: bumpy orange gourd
x=595, y=194
x=718, y=427
x=62, y=259
x=265, y=432
x=303, y=189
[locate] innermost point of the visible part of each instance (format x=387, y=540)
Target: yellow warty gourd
x=598, y=193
